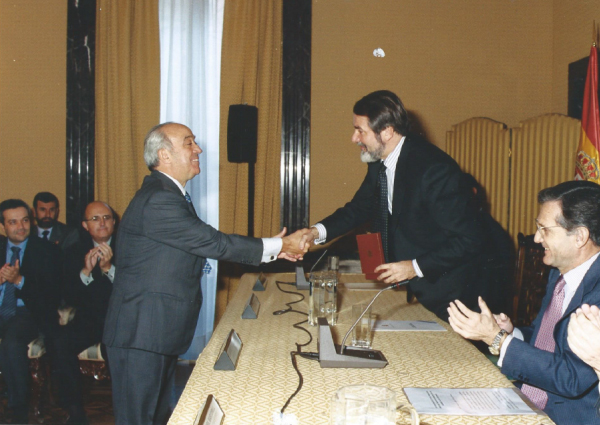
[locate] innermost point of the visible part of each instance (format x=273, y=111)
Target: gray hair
x=155, y=140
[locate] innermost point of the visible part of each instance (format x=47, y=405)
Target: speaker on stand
x=242, y=130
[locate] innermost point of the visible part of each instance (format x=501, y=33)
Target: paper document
x=467, y=401
x=408, y=325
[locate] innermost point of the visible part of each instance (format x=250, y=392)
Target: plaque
x=261, y=283
x=210, y=413
x=251, y=308
x=229, y=353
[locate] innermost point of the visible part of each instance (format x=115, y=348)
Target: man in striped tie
x=554, y=378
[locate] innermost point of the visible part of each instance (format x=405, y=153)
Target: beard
x=46, y=222
x=372, y=155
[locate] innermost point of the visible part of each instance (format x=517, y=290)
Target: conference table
x=264, y=377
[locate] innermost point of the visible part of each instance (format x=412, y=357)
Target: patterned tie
x=45, y=234
x=9, y=303
x=545, y=339
x=380, y=223
x=188, y=198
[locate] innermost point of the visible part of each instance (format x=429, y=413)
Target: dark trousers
x=64, y=347
x=16, y=334
x=142, y=383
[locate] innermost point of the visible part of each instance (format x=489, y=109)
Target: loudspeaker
x=242, y=127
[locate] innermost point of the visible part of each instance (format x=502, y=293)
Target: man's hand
x=471, y=325
x=584, y=335
x=91, y=258
x=504, y=322
x=106, y=254
x=308, y=238
x=10, y=273
x=291, y=250
x=395, y=272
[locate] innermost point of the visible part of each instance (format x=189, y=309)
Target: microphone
x=354, y=357
x=392, y=286
x=301, y=282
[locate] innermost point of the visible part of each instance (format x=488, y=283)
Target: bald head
x=172, y=149
x=99, y=221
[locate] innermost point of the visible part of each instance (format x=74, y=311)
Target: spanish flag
x=589, y=141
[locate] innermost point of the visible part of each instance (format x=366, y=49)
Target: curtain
x=190, y=45
x=251, y=73
x=127, y=95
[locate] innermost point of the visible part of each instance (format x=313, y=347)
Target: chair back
x=531, y=278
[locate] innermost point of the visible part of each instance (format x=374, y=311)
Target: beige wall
x=33, y=42
x=571, y=40
x=447, y=60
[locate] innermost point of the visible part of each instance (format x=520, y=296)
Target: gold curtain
x=127, y=95
x=250, y=73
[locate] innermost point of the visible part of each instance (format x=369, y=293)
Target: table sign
x=261, y=283
x=229, y=353
x=251, y=308
x=210, y=413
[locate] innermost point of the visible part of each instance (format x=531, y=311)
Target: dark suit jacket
x=90, y=301
x=62, y=235
x=42, y=269
x=162, y=247
x=572, y=385
x=433, y=221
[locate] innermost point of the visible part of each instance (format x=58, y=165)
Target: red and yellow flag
x=589, y=141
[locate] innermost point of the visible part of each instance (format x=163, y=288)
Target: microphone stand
x=393, y=286
x=354, y=357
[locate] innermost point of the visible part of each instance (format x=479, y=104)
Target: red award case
x=370, y=251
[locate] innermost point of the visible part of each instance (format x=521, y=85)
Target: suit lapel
x=170, y=185
x=589, y=283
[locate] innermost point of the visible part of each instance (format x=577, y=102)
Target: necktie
x=188, y=198
x=9, y=303
x=45, y=234
x=545, y=339
x=380, y=223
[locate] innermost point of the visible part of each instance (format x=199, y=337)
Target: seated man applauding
x=89, y=272
x=552, y=376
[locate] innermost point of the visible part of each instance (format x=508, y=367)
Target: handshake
x=297, y=244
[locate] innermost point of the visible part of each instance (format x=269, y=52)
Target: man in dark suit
x=46, y=210
x=29, y=298
x=539, y=356
x=416, y=197
x=156, y=297
x=90, y=267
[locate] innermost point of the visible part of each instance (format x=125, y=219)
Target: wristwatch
x=495, y=347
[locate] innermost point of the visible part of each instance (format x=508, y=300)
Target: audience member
x=552, y=376
x=46, y=210
x=156, y=297
x=29, y=298
x=416, y=197
x=89, y=273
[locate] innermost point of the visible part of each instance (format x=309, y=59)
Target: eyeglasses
x=97, y=218
x=542, y=228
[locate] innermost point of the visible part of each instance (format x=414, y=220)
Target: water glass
x=363, y=405
x=322, y=300
x=363, y=331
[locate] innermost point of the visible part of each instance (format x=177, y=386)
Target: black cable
x=293, y=354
